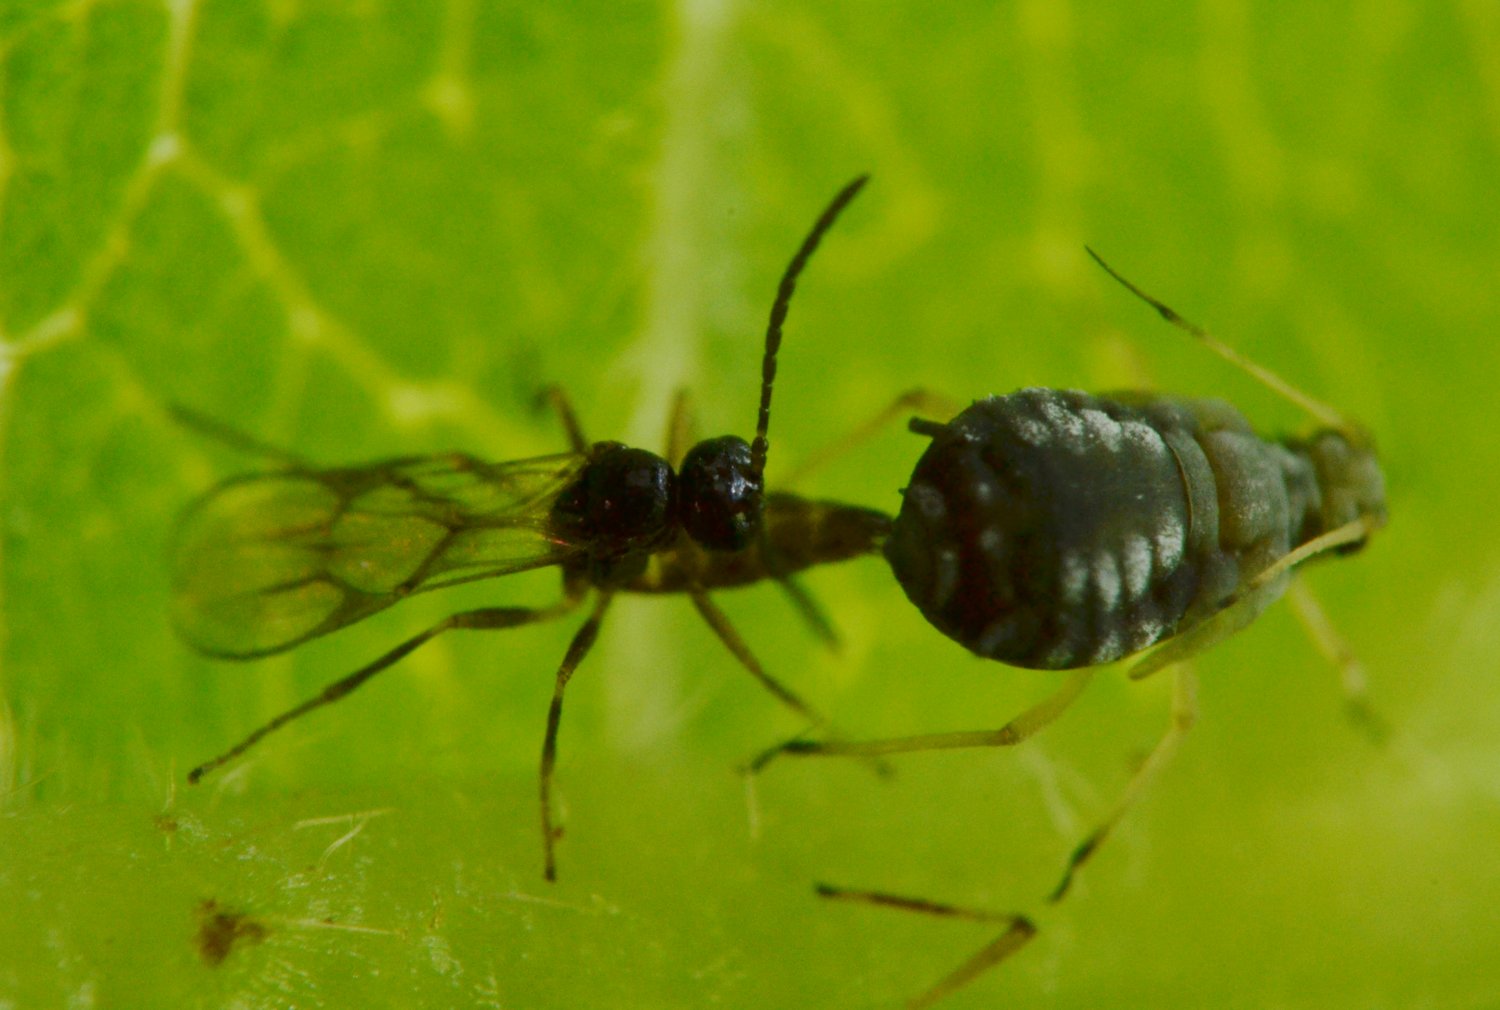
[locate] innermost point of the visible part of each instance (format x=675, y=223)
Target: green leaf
x=372, y=228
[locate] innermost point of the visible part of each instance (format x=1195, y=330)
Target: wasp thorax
x=623, y=502
x=720, y=495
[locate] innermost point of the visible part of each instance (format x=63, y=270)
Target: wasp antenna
x=779, y=308
x=1323, y=413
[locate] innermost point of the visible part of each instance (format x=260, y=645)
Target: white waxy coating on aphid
x=1104, y=428
x=1107, y=580
x=1068, y=425
x=1108, y=648
x=1170, y=543
x=1073, y=578
x=1136, y=566
x=1143, y=436
x=984, y=492
x=990, y=540
x=1146, y=631
x=1031, y=431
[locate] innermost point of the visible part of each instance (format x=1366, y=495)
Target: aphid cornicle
x=267, y=561
x=1059, y=530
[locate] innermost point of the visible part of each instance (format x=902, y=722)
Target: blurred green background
x=368, y=228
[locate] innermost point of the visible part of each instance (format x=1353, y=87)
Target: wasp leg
x=719, y=622
x=919, y=400
x=483, y=619
x=1184, y=714
x=1023, y=726
x=1019, y=930
x=811, y=610
x=582, y=642
x=563, y=407
x=1338, y=652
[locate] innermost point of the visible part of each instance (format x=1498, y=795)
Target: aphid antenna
x=788, y=285
x=1317, y=409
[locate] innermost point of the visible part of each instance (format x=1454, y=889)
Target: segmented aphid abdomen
x=1054, y=529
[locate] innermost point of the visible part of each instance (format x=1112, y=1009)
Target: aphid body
x=1054, y=529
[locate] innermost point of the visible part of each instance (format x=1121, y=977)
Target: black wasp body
x=265, y=562
x=1053, y=529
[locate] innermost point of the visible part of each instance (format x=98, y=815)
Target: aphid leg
x=1338, y=652
x=679, y=428
x=483, y=619
x=563, y=407
x=1314, y=408
x=582, y=642
x=919, y=400
x=1018, y=931
x=1184, y=714
x=1214, y=629
x=217, y=430
x=1259, y=592
x=1020, y=728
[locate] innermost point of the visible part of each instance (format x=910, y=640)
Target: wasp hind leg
x=482, y=619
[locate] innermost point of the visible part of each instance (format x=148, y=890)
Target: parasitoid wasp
x=266, y=561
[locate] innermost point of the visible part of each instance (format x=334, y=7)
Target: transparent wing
x=264, y=562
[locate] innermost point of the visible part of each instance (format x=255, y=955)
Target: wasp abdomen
x=1054, y=529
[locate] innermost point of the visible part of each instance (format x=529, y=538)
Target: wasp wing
x=264, y=562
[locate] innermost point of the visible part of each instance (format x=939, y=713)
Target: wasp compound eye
x=720, y=493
